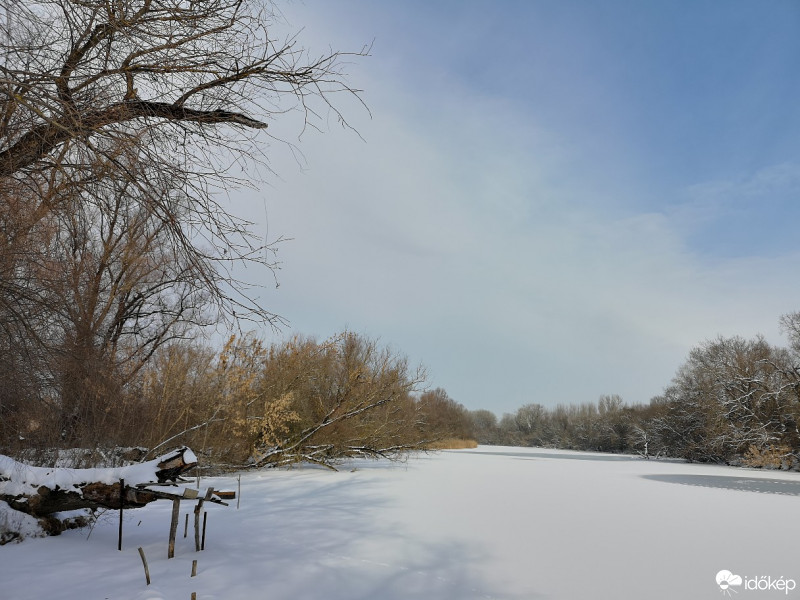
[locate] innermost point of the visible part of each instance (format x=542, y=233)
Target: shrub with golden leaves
x=769, y=457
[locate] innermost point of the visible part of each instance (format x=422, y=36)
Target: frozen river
x=502, y=523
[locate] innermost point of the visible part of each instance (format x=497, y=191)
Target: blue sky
x=552, y=200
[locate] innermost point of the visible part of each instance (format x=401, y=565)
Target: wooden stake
x=194, y=595
x=121, y=504
x=186, y=525
x=197, y=510
x=144, y=562
x=239, y=491
x=197, y=525
x=173, y=526
x=203, y=542
x=194, y=568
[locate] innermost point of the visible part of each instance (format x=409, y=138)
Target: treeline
x=253, y=404
x=606, y=426
x=734, y=401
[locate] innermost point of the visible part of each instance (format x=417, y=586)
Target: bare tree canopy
x=80, y=71
x=164, y=95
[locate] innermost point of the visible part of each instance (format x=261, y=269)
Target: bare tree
x=616, y=425
x=731, y=395
x=352, y=397
x=530, y=420
x=300, y=400
x=484, y=424
x=790, y=325
x=443, y=417
x=186, y=87
x=25, y=320
x=123, y=289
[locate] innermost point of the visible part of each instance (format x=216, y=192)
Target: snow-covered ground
x=486, y=523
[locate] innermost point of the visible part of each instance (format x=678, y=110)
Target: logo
x=726, y=581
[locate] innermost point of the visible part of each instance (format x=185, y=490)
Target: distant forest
x=734, y=401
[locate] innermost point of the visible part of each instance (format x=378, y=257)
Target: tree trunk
x=41, y=491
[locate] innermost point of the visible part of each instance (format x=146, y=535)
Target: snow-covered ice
x=502, y=523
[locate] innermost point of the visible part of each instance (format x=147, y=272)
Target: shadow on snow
x=732, y=482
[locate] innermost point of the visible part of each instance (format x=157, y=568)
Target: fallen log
x=41, y=491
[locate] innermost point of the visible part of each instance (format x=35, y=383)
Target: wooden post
x=197, y=525
x=144, y=562
x=121, y=504
x=197, y=510
x=186, y=525
x=194, y=567
x=203, y=542
x=239, y=491
x=194, y=595
x=173, y=526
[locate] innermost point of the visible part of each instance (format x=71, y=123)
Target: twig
x=144, y=562
x=177, y=435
